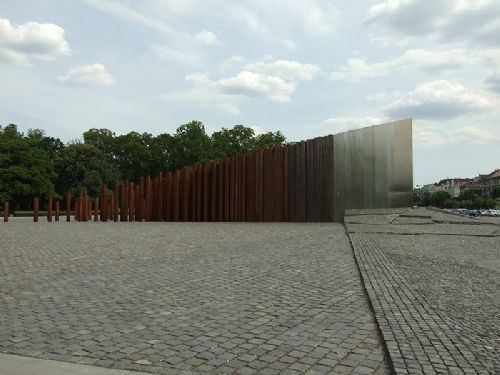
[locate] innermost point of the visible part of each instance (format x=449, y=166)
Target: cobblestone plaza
x=410, y=291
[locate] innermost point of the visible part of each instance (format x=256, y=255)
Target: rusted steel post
x=152, y=199
x=175, y=196
x=137, y=203
x=80, y=206
x=199, y=192
x=89, y=208
x=36, y=207
x=159, y=197
x=96, y=209
x=68, y=206
x=84, y=208
x=123, y=201
x=213, y=191
x=6, y=211
x=185, y=194
x=104, y=204
x=116, y=197
x=147, y=206
x=49, y=209
x=140, y=206
x=131, y=207
x=112, y=208
x=58, y=209
x=131, y=193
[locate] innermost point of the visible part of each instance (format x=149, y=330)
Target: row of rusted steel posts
x=290, y=183
x=51, y=213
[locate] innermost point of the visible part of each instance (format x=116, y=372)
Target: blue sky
x=307, y=68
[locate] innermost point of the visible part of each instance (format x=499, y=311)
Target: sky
x=305, y=67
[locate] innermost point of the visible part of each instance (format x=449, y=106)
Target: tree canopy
x=26, y=168
x=35, y=164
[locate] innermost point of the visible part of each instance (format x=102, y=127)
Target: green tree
x=190, y=145
x=269, y=139
x=133, y=155
x=50, y=145
x=495, y=193
x=83, y=166
x=438, y=198
x=25, y=169
x=161, y=148
x=228, y=142
x=103, y=139
x=471, y=194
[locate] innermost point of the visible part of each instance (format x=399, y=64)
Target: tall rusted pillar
x=140, y=202
x=80, y=206
x=49, y=209
x=116, y=205
x=68, y=206
x=36, y=208
x=5, y=211
x=58, y=209
x=147, y=206
x=96, y=209
x=104, y=203
x=131, y=206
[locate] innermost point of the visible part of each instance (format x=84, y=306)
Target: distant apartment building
x=453, y=186
x=487, y=182
x=456, y=186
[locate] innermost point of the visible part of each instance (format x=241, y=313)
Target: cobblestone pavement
x=187, y=297
x=436, y=297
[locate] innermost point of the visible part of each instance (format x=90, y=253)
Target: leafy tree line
x=470, y=199
x=35, y=164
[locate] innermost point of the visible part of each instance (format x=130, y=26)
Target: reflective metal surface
x=373, y=167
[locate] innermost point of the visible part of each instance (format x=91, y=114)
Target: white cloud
x=231, y=62
x=440, y=99
x=493, y=82
x=473, y=22
x=345, y=123
x=257, y=85
x=429, y=61
x=205, y=97
x=429, y=138
x=88, y=75
x=146, y=18
x=319, y=17
x=268, y=78
x=475, y=134
x=286, y=69
x=248, y=84
x=208, y=38
x=312, y=16
x=179, y=56
x=435, y=134
x=31, y=41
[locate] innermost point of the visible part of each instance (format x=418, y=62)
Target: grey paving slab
x=428, y=228
x=16, y=365
x=436, y=298
x=187, y=297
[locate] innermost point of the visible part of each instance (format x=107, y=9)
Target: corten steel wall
x=309, y=181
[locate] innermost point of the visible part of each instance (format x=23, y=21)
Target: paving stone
x=434, y=294
x=202, y=297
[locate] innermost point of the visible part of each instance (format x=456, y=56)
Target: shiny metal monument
x=373, y=167
x=308, y=181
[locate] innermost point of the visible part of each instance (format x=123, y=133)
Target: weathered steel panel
x=373, y=167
